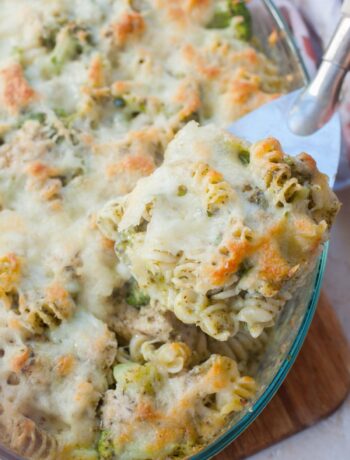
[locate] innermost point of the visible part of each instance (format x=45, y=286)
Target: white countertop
x=330, y=438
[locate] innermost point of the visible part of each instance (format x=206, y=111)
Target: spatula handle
x=317, y=102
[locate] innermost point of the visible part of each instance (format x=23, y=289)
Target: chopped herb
x=258, y=197
x=244, y=157
x=181, y=190
x=119, y=102
x=135, y=296
x=134, y=114
x=38, y=116
x=66, y=118
x=243, y=269
x=13, y=296
x=18, y=54
x=61, y=113
x=298, y=170
x=289, y=161
x=193, y=116
x=67, y=48
x=48, y=38
x=132, y=105
x=34, y=116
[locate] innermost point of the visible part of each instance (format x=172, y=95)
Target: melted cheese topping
x=160, y=417
x=55, y=382
x=223, y=233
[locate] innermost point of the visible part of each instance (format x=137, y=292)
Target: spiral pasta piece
x=10, y=270
x=234, y=229
x=109, y=218
x=212, y=184
x=26, y=438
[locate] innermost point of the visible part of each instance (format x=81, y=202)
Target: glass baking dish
x=295, y=319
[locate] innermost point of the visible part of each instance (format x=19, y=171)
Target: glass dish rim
x=232, y=433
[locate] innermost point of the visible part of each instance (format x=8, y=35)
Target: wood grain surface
x=315, y=387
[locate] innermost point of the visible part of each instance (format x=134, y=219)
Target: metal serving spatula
x=304, y=120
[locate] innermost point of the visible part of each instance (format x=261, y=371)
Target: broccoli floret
x=244, y=157
x=233, y=9
x=67, y=48
x=104, y=446
x=220, y=20
x=135, y=296
x=48, y=37
x=131, y=377
x=67, y=118
x=34, y=116
x=244, y=27
x=181, y=190
x=120, y=370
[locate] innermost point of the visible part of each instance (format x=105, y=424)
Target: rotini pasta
x=183, y=270
x=241, y=348
x=27, y=363
x=47, y=314
x=172, y=356
x=246, y=247
x=25, y=437
x=215, y=189
x=10, y=270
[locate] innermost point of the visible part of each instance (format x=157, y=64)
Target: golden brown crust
x=20, y=360
x=26, y=438
x=129, y=26
x=15, y=91
x=96, y=73
x=10, y=271
x=65, y=365
x=140, y=164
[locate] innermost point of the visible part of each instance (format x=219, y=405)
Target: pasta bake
x=100, y=359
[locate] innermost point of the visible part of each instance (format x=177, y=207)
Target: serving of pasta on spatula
x=223, y=233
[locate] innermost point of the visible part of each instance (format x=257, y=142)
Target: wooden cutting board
x=315, y=387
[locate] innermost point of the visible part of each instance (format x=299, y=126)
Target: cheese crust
x=223, y=233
